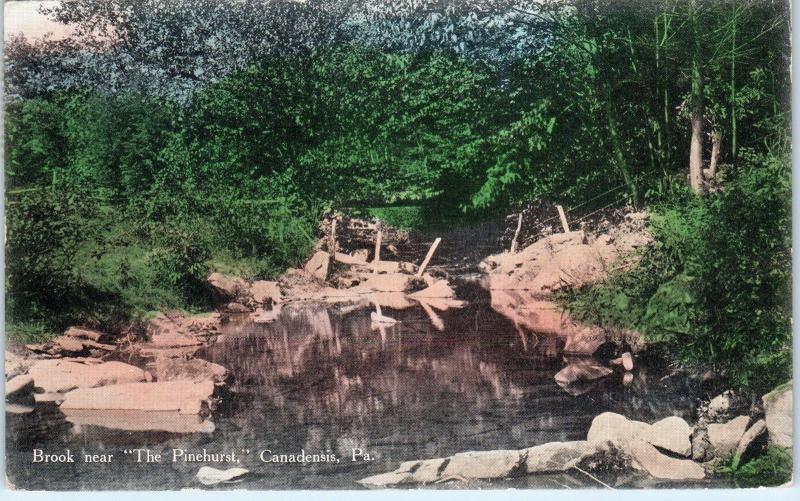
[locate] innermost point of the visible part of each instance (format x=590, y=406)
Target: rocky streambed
x=330, y=358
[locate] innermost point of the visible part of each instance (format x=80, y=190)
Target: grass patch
x=30, y=332
x=772, y=468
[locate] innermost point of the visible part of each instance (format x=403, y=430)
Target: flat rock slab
x=410, y=472
x=186, y=397
x=389, y=282
x=13, y=408
x=440, y=289
x=671, y=434
x=483, y=464
x=360, y=258
x=778, y=411
x=82, y=333
x=131, y=420
x=193, y=369
x=59, y=376
x=68, y=343
x=562, y=456
x=724, y=437
x=394, y=300
x=488, y=465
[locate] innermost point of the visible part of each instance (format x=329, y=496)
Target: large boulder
x=184, y=397
x=659, y=465
x=484, y=464
x=60, y=376
x=778, y=412
x=752, y=442
x=616, y=428
x=671, y=434
x=226, y=287
x=531, y=256
x=550, y=264
x=264, y=292
x=572, y=267
x=724, y=437
x=318, y=265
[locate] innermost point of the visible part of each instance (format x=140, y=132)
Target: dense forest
x=166, y=139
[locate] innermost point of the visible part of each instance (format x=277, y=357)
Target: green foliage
x=45, y=229
x=404, y=218
x=34, y=142
x=669, y=310
x=743, y=276
x=770, y=469
x=716, y=284
x=624, y=299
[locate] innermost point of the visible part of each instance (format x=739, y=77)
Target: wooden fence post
x=332, y=238
x=563, y=217
x=428, y=257
x=377, y=259
x=516, y=234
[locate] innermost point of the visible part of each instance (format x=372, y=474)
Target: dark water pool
x=323, y=381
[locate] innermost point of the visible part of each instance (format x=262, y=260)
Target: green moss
x=778, y=390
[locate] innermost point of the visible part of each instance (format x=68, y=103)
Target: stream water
x=322, y=380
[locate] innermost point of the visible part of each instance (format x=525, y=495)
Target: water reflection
x=321, y=379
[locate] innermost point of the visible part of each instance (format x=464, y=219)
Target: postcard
x=414, y=244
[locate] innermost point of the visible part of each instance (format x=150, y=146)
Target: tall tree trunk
x=716, y=143
x=696, y=107
x=696, y=153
